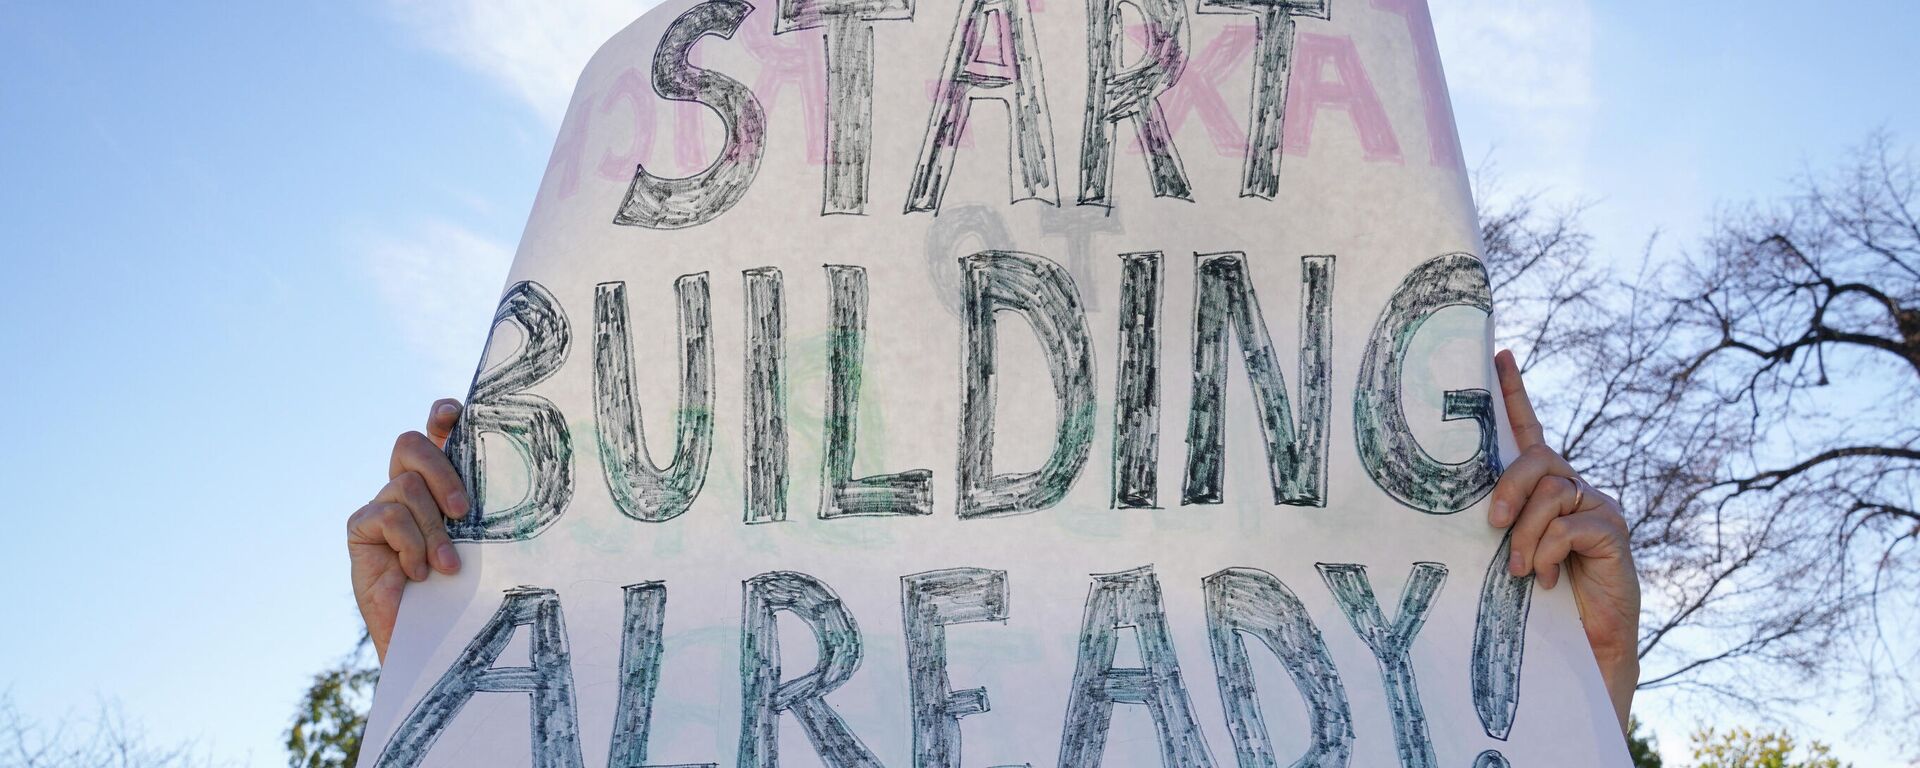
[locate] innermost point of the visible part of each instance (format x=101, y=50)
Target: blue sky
x=248, y=243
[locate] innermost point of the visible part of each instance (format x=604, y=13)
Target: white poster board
x=967, y=383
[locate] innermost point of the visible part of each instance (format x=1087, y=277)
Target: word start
x=993, y=55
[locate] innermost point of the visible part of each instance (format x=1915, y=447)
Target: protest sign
x=943, y=383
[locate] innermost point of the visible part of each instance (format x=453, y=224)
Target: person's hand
x=1559, y=520
x=400, y=536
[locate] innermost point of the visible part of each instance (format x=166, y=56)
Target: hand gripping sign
x=968, y=383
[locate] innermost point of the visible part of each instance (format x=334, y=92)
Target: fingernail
x=446, y=409
x=1501, y=511
x=449, y=559
x=1550, y=576
x=461, y=505
x=1517, y=565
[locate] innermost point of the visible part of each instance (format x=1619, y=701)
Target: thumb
x=441, y=420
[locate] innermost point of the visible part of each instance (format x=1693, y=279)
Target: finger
x=440, y=420
x=1550, y=499
x=415, y=452
x=1526, y=426
x=391, y=525
x=1518, y=480
x=410, y=490
x=1604, y=502
x=1587, y=534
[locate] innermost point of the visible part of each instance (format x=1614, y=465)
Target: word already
x=1241, y=603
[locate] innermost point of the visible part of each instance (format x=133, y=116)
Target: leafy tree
x=326, y=730
x=1743, y=748
x=1642, y=747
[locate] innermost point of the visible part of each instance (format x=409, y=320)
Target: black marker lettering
x=766, y=395
x=657, y=202
x=1015, y=81
x=1114, y=95
x=645, y=615
x=1272, y=63
x=498, y=404
x=641, y=489
x=1136, y=410
x=1243, y=601
x=903, y=493
x=1491, y=759
x=1392, y=645
x=849, y=37
x=1388, y=449
x=1296, y=455
x=763, y=695
x=1044, y=293
x=931, y=601
x=1130, y=599
x=1499, y=642
x=547, y=676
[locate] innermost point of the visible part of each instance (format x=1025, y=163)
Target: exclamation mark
x=1499, y=636
x=1491, y=759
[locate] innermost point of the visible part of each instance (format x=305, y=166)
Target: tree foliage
x=1641, y=746
x=326, y=729
x=1743, y=748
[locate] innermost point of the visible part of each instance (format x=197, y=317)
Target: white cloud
x=439, y=284
x=534, y=49
x=439, y=281
x=1522, y=53
x=1522, y=77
